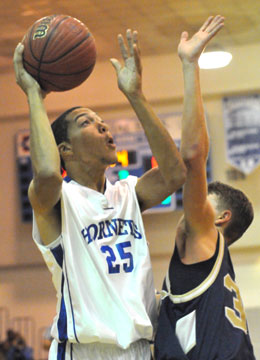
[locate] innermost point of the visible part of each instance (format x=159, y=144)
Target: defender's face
x=90, y=138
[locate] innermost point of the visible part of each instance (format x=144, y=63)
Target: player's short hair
x=60, y=128
x=229, y=198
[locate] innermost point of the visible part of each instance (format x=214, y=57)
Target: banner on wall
x=241, y=115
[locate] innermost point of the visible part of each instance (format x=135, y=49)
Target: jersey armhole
x=54, y=243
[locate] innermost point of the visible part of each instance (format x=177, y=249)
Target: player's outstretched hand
x=129, y=76
x=23, y=78
x=189, y=50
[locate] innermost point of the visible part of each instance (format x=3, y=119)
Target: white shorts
x=139, y=350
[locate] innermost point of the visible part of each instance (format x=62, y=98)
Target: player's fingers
x=206, y=23
x=17, y=59
x=135, y=41
x=122, y=46
x=137, y=57
x=216, y=30
x=116, y=64
x=136, y=46
x=218, y=20
x=129, y=37
x=18, y=53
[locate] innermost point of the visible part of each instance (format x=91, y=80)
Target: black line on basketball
x=30, y=45
x=32, y=54
x=68, y=51
x=30, y=38
x=54, y=85
x=48, y=40
x=70, y=74
x=53, y=73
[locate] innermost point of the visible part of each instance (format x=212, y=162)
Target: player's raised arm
x=158, y=183
x=194, y=141
x=44, y=191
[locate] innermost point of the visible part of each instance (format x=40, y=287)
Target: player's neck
x=91, y=177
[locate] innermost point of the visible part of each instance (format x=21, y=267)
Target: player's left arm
x=158, y=183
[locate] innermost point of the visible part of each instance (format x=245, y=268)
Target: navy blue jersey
x=207, y=322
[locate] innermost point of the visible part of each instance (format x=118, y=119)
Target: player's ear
x=223, y=217
x=65, y=150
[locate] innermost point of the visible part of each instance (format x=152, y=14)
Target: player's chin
x=112, y=154
x=110, y=159
x=113, y=160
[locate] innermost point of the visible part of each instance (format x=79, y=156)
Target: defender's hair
x=60, y=129
x=229, y=198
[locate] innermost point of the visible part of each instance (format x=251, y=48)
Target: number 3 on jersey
x=238, y=318
x=113, y=267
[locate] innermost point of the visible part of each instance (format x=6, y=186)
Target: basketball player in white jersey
x=89, y=231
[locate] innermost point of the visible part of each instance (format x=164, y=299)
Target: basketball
x=59, y=52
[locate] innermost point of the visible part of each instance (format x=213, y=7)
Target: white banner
x=241, y=115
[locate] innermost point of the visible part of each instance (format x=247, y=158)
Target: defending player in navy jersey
x=201, y=313
x=89, y=231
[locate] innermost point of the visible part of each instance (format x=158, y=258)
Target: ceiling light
x=214, y=59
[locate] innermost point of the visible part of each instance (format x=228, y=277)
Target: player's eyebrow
x=83, y=114
x=89, y=117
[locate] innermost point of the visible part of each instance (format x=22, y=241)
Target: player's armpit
x=198, y=211
x=47, y=213
x=44, y=194
x=49, y=225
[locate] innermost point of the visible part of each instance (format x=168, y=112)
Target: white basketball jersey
x=101, y=267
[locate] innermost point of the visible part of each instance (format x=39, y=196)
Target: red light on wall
x=154, y=162
x=64, y=173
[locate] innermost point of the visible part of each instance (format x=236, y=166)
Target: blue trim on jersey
x=58, y=254
x=61, y=350
x=62, y=322
x=71, y=307
x=67, y=179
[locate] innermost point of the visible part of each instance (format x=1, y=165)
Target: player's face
x=90, y=138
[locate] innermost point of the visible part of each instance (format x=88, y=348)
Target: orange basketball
x=59, y=52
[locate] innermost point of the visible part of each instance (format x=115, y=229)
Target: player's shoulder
x=129, y=182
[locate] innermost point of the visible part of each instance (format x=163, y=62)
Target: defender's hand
x=189, y=50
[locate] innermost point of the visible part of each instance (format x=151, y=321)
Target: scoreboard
x=133, y=154
x=24, y=169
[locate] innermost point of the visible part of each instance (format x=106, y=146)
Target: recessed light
x=214, y=59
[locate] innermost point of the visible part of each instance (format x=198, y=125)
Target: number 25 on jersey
x=121, y=253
